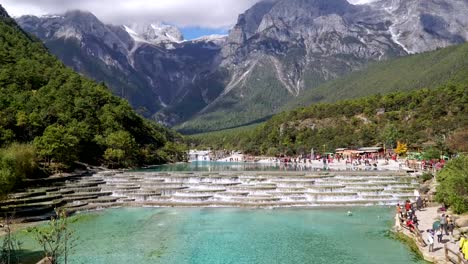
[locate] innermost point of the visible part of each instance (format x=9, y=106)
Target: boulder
x=462, y=221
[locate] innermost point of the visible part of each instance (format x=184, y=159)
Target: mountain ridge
x=295, y=45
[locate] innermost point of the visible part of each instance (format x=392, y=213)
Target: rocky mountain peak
x=155, y=33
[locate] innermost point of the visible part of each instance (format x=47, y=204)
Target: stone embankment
x=209, y=189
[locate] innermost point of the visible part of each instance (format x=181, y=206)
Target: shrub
x=17, y=162
x=426, y=177
x=453, y=185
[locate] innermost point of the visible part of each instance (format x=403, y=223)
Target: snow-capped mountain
x=154, y=33
x=148, y=64
x=277, y=50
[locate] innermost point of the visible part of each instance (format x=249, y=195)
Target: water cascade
x=215, y=189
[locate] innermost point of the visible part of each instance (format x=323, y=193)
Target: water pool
x=217, y=235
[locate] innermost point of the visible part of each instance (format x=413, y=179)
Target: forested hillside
x=424, y=118
x=52, y=115
x=425, y=70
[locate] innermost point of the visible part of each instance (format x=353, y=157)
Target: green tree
x=453, y=185
x=57, y=144
x=121, y=148
x=431, y=153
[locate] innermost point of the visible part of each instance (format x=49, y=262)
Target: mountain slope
x=308, y=42
x=278, y=52
x=68, y=117
x=422, y=118
x=147, y=64
x=425, y=70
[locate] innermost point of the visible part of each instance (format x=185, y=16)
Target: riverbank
x=427, y=216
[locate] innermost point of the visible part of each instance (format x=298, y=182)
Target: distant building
x=367, y=151
x=372, y=150
x=199, y=155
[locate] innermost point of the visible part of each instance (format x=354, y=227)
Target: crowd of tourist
x=444, y=226
x=407, y=213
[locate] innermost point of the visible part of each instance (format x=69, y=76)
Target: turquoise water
x=229, y=166
x=215, y=235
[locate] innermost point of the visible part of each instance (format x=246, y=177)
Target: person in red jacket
x=408, y=205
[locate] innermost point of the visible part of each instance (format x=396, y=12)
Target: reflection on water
x=233, y=166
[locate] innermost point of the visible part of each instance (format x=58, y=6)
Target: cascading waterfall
x=222, y=189
x=272, y=189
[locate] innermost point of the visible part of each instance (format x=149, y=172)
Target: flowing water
x=215, y=235
x=231, y=166
x=313, y=234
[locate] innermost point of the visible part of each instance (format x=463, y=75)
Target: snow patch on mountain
x=155, y=33
x=135, y=35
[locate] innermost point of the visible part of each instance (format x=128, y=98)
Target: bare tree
x=56, y=239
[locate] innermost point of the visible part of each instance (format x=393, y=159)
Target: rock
x=463, y=230
x=462, y=221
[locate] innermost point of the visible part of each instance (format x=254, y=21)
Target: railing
x=454, y=257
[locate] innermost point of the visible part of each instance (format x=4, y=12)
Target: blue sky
x=196, y=32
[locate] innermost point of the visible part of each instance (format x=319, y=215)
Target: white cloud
x=202, y=13
x=183, y=13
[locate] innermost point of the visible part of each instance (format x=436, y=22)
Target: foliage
x=424, y=70
x=67, y=116
x=416, y=117
x=56, y=238
x=431, y=153
x=426, y=177
x=459, y=140
x=10, y=246
x=17, y=162
x=453, y=185
x=401, y=148
x=57, y=144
